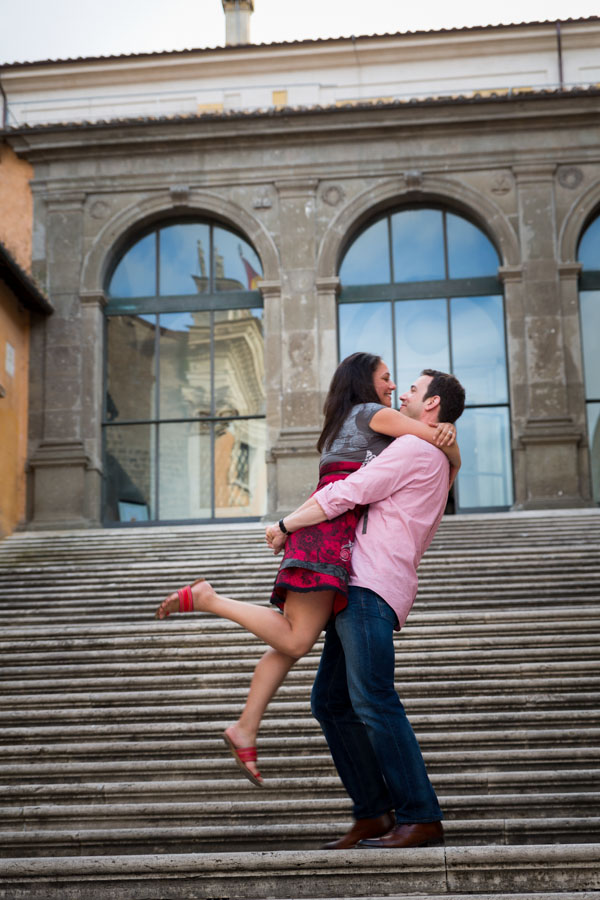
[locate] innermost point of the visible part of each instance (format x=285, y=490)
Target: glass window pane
x=485, y=478
x=367, y=260
x=130, y=367
x=129, y=473
x=589, y=248
x=236, y=266
x=593, y=420
x=590, y=333
x=239, y=363
x=418, y=245
x=185, y=490
x=135, y=276
x=478, y=348
x=240, y=472
x=421, y=339
x=185, y=365
x=367, y=328
x=184, y=259
x=470, y=253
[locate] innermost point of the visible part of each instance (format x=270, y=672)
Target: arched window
x=420, y=288
x=589, y=304
x=184, y=416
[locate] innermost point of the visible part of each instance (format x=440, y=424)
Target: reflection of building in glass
x=211, y=367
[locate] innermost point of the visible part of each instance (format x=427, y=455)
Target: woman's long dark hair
x=352, y=383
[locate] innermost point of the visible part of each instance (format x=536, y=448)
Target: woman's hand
x=445, y=434
x=275, y=538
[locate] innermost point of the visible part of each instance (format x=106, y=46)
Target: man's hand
x=275, y=538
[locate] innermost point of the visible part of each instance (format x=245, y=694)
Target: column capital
x=297, y=187
x=511, y=274
x=329, y=285
x=534, y=173
x=569, y=271
x=93, y=298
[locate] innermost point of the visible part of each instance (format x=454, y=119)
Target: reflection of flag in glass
x=251, y=274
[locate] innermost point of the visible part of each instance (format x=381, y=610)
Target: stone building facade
x=298, y=187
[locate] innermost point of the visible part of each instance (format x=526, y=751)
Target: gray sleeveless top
x=356, y=441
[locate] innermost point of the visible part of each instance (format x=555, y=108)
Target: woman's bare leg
x=293, y=634
x=268, y=675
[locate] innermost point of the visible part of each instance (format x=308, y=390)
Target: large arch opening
x=184, y=431
x=420, y=287
x=589, y=307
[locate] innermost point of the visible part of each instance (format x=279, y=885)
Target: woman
x=312, y=580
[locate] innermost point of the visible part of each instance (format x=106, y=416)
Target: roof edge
x=501, y=96
x=23, y=286
x=152, y=54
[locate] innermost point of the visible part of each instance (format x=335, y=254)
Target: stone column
x=293, y=454
x=59, y=463
x=548, y=441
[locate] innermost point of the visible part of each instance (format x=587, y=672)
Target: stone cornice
x=569, y=271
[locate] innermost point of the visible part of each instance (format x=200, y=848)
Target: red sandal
x=186, y=600
x=242, y=755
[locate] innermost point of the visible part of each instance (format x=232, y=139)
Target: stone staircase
x=115, y=782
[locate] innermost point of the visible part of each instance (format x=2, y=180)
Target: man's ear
x=432, y=402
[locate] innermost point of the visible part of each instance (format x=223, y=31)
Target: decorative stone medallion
x=570, y=177
x=333, y=195
x=501, y=184
x=99, y=209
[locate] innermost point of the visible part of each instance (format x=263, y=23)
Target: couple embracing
x=350, y=557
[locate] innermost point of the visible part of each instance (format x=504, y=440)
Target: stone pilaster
x=59, y=463
x=547, y=440
x=293, y=453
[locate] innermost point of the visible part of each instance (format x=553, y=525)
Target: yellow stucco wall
x=16, y=206
x=14, y=374
x=16, y=217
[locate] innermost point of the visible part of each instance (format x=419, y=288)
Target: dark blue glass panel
x=130, y=462
x=135, y=276
x=478, y=348
x=470, y=253
x=236, y=265
x=589, y=248
x=184, y=259
x=184, y=365
x=239, y=363
x=590, y=334
x=366, y=327
x=485, y=477
x=185, y=490
x=593, y=423
x=421, y=339
x=130, y=367
x=418, y=245
x=367, y=261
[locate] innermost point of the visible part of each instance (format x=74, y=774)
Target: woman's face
x=383, y=384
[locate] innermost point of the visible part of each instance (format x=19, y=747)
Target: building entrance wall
x=298, y=186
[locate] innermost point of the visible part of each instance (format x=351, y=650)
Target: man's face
x=412, y=402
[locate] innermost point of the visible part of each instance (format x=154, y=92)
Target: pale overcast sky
x=61, y=29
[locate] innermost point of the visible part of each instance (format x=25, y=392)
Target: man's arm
x=382, y=477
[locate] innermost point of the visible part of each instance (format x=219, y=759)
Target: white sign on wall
x=9, y=364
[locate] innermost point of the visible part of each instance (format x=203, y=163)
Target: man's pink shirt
x=406, y=488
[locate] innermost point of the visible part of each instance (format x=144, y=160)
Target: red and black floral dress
x=319, y=558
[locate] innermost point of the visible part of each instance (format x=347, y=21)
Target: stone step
x=75, y=764
x=188, y=721
x=305, y=874
x=170, y=838
x=230, y=787
x=245, y=808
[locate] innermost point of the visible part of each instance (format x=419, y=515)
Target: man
x=371, y=741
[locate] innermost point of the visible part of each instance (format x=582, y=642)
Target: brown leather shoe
x=430, y=834
x=363, y=828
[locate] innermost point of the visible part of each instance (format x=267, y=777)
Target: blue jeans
x=354, y=700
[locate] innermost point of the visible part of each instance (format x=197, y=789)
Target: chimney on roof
x=237, y=21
